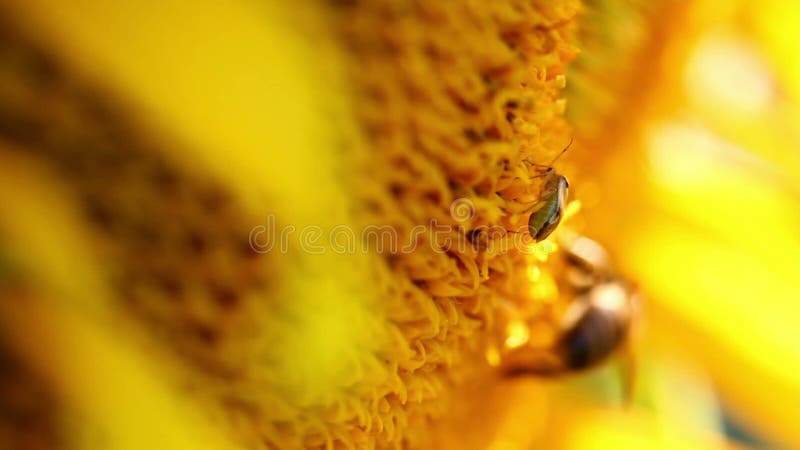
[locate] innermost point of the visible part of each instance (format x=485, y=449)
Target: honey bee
x=595, y=323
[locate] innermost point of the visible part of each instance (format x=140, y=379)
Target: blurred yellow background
x=698, y=197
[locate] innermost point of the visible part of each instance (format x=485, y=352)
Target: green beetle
x=554, y=196
x=544, y=220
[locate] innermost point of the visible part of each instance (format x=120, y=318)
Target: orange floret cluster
x=451, y=99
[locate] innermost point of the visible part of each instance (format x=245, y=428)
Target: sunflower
x=262, y=225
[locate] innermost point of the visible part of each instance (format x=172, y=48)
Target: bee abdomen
x=593, y=337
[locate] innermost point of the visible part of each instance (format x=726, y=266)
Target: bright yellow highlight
x=534, y=273
x=727, y=73
x=571, y=210
x=518, y=334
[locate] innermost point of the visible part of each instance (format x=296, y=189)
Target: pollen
x=443, y=101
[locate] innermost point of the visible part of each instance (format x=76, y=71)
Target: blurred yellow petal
x=612, y=430
x=700, y=197
x=110, y=387
x=208, y=74
x=65, y=332
x=775, y=23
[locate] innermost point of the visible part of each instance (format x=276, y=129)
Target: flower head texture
x=261, y=225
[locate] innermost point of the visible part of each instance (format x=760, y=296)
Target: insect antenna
x=550, y=164
x=562, y=152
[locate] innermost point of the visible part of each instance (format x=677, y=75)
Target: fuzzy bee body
x=599, y=330
x=595, y=323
